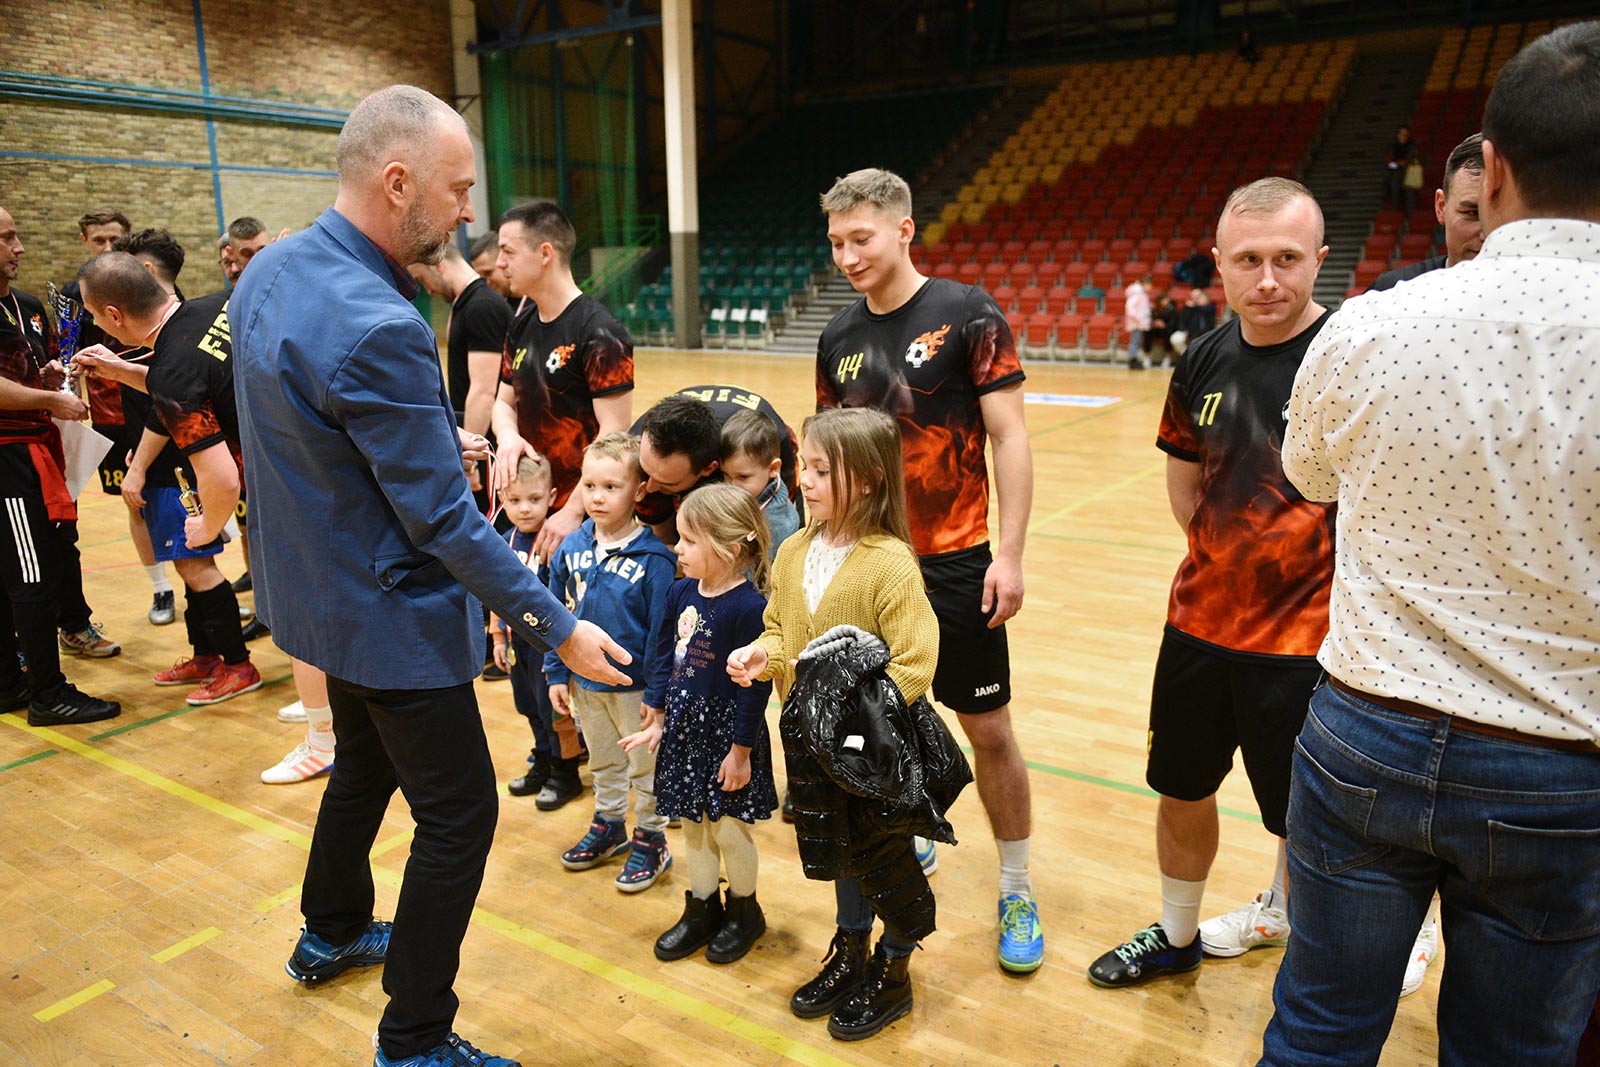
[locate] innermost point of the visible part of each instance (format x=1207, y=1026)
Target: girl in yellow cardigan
x=853, y=566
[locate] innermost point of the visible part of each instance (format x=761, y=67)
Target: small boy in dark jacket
x=614, y=573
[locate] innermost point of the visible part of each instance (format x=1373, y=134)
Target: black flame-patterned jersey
x=1260, y=562
x=27, y=343
x=927, y=363
x=557, y=369
x=191, y=378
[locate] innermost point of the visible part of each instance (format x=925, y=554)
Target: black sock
x=219, y=616
x=194, y=623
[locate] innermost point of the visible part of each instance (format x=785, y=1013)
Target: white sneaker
x=1422, y=952
x=295, y=712
x=1253, y=926
x=300, y=765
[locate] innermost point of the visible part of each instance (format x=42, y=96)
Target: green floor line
x=27, y=759
x=186, y=709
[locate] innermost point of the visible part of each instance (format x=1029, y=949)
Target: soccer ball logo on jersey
x=926, y=346
x=558, y=357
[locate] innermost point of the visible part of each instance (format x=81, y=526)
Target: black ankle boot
x=883, y=996
x=742, y=923
x=561, y=786
x=532, y=779
x=842, y=970
x=694, y=928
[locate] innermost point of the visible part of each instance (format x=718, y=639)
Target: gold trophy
x=190, y=498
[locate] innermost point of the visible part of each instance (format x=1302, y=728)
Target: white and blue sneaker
x=453, y=1051
x=1021, y=935
x=314, y=960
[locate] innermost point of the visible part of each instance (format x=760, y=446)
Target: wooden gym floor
x=149, y=883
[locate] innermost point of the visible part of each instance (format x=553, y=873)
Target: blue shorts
x=164, y=516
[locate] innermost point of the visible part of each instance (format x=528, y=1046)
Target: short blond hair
x=622, y=447
x=1267, y=196
x=883, y=190
x=729, y=521
x=532, y=469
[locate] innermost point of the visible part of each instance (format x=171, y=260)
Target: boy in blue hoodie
x=614, y=573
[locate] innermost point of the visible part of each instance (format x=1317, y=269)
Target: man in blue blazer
x=368, y=552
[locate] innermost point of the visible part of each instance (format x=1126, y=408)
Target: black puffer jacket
x=866, y=773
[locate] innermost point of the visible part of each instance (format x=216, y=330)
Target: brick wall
x=306, y=52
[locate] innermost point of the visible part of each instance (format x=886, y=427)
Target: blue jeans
x=1385, y=808
x=854, y=912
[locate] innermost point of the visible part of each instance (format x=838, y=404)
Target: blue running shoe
x=927, y=855
x=453, y=1051
x=1147, y=956
x=1021, y=935
x=314, y=960
x=648, y=861
x=604, y=840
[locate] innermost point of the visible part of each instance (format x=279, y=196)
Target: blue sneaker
x=604, y=840
x=927, y=855
x=453, y=1051
x=648, y=860
x=1021, y=935
x=314, y=960
x=1147, y=956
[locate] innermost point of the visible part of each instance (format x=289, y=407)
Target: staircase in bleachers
x=763, y=247
x=1450, y=107
x=1120, y=172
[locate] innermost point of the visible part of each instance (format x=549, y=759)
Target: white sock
x=1278, y=895
x=1180, y=909
x=157, y=573
x=319, y=728
x=1014, y=878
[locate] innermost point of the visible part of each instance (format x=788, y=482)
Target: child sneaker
x=295, y=712
x=1255, y=925
x=604, y=840
x=196, y=671
x=648, y=861
x=162, y=610
x=1423, y=951
x=231, y=680
x=314, y=960
x=90, y=641
x=453, y=1051
x=302, y=764
x=1147, y=956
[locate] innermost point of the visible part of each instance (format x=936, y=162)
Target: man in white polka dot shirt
x=1456, y=421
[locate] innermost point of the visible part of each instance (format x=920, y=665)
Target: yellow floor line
x=385, y=847
x=77, y=1000
x=278, y=899
x=1098, y=494
x=172, y=952
x=683, y=1003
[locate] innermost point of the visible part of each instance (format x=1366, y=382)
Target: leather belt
x=1466, y=725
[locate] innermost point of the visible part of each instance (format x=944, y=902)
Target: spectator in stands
x=940, y=357
x=1453, y=748
x=1198, y=318
x=566, y=376
x=484, y=255
x=1394, y=170
x=1247, y=48
x=1163, y=324
x=1412, y=179
x=1136, y=322
x=1455, y=205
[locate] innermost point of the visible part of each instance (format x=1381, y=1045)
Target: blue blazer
x=364, y=540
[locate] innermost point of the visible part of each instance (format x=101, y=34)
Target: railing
x=618, y=280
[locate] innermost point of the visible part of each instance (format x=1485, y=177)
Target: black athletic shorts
x=1207, y=702
x=974, y=671
x=114, y=464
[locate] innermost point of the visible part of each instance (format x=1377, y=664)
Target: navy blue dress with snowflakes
x=706, y=711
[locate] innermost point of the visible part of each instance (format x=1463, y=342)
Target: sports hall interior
x=1057, y=151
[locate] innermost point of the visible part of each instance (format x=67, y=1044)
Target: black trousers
x=430, y=743
x=31, y=568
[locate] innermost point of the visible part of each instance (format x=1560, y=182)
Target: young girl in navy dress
x=714, y=762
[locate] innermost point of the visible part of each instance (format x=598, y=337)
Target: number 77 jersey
x=1259, y=569
x=927, y=363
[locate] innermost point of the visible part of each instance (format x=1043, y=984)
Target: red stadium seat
x=1087, y=305
x=1069, y=331
x=1006, y=297
x=1379, y=246
x=1116, y=303
x=1048, y=275
x=1039, y=331
x=1031, y=300
x=1099, y=332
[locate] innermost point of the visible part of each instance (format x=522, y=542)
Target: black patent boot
x=533, y=778
x=699, y=921
x=842, y=970
x=883, y=996
x=742, y=924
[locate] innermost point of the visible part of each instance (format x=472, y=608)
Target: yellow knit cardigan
x=878, y=589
